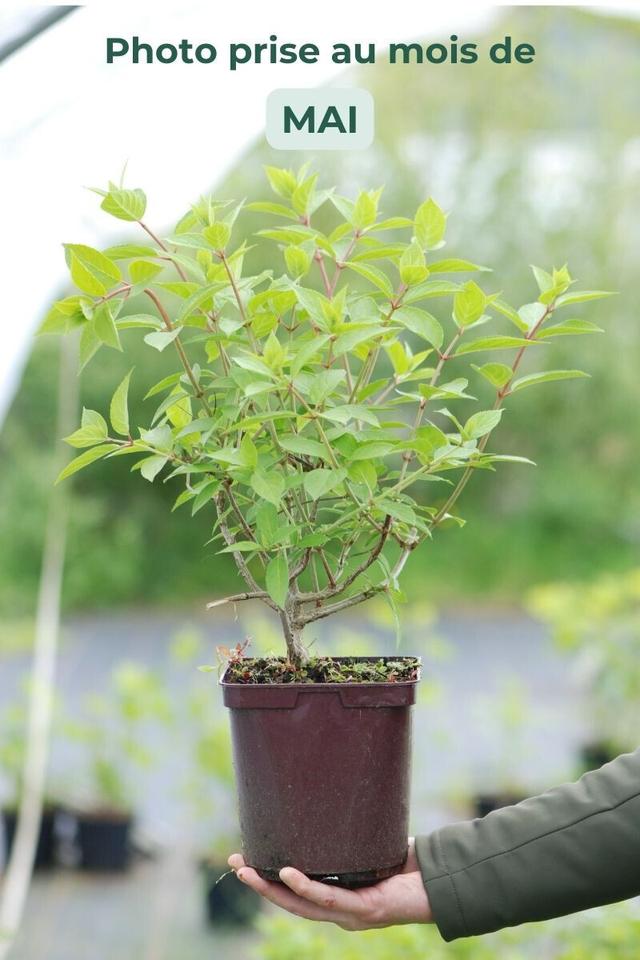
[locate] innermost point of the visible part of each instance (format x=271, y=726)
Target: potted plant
x=209, y=790
x=310, y=412
x=598, y=623
x=13, y=725
x=111, y=732
x=507, y=715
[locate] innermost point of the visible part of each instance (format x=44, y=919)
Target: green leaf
x=303, y=445
x=430, y=225
x=482, y=423
x=269, y=486
x=217, y=235
x=297, y=260
x=161, y=338
x=93, y=430
x=412, y=265
x=373, y=275
x=397, y=510
x=127, y=251
x=125, y=204
x=347, y=412
x=509, y=312
x=277, y=579
x=531, y=314
x=241, y=546
x=150, y=467
x=365, y=209
x=90, y=270
x=319, y=482
x=543, y=279
x=372, y=450
x=421, y=323
x=119, y=410
x=568, y=328
x=469, y=304
x=277, y=209
x=205, y=493
x=456, y=266
x=581, y=296
x=89, y=344
x=545, y=377
x=89, y=456
x=493, y=343
x=283, y=182
x=141, y=271
x=267, y=523
x=105, y=327
x=496, y=373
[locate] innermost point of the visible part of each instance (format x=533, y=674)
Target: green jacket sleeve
x=574, y=847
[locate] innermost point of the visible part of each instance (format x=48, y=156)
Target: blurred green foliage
x=545, y=163
x=608, y=934
x=598, y=624
x=112, y=731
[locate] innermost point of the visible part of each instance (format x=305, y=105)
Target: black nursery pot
x=484, y=803
x=227, y=902
x=46, y=846
x=104, y=841
x=323, y=772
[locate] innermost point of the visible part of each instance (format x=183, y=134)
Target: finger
x=329, y=897
x=236, y=861
x=284, y=898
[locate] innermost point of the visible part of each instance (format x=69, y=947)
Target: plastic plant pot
x=485, y=803
x=46, y=845
x=227, y=902
x=104, y=841
x=323, y=773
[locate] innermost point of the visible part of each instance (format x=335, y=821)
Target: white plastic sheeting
x=68, y=119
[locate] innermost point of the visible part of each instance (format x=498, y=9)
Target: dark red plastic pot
x=323, y=775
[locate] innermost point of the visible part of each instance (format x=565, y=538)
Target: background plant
x=599, y=624
x=311, y=418
x=112, y=733
x=609, y=934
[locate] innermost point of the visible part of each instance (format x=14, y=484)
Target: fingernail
x=240, y=876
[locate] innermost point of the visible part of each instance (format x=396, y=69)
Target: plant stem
x=180, y=350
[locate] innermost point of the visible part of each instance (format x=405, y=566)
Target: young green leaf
x=568, y=328
x=277, y=579
x=430, y=225
x=469, y=304
x=93, y=430
x=546, y=377
x=496, y=373
x=493, y=343
x=104, y=326
x=412, y=265
x=482, y=423
x=125, y=204
x=119, y=410
x=269, y=486
x=89, y=456
x=318, y=483
x=421, y=323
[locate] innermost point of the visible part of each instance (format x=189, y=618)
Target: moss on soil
x=249, y=670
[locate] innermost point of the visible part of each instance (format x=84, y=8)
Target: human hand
x=399, y=899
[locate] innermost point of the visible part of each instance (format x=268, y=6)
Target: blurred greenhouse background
x=528, y=620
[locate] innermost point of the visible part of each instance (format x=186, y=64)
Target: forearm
x=574, y=847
